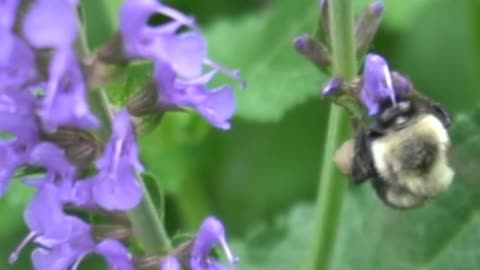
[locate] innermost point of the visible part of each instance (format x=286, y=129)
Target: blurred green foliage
x=261, y=176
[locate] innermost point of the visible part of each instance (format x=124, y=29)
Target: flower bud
x=324, y=25
x=80, y=145
x=112, y=52
x=313, y=50
x=367, y=25
x=333, y=87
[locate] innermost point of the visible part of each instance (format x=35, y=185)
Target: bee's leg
x=362, y=167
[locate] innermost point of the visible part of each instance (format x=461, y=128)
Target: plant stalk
x=332, y=185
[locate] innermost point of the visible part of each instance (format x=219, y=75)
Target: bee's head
x=398, y=115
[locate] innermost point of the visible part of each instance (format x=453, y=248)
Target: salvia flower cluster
x=49, y=127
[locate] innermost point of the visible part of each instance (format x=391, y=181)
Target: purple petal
x=12, y=155
x=65, y=254
x=17, y=63
x=218, y=106
x=51, y=157
x=51, y=24
x=59, y=258
x=17, y=115
x=185, y=53
x=164, y=77
x=81, y=194
x=118, y=189
x=377, y=83
x=44, y=214
x=170, y=263
x=65, y=100
x=8, y=9
x=116, y=255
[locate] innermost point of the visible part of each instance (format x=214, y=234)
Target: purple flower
x=185, y=52
x=51, y=24
x=210, y=234
x=65, y=102
x=44, y=217
x=217, y=106
x=79, y=244
x=116, y=186
x=377, y=83
x=170, y=263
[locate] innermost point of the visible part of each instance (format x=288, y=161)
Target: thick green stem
x=146, y=223
x=332, y=185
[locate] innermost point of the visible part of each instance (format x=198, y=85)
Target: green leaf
x=260, y=46
x=172, y=151
x=277, y=245
x=264, y=167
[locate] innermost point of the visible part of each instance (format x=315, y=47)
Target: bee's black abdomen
x=418, y=154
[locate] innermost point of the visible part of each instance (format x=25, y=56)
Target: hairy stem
x=332, y=185
x=146, y=223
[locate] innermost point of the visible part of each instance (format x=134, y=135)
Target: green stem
x=147, y=225
x=332, y=185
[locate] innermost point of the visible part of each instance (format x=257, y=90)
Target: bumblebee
x=404, y=152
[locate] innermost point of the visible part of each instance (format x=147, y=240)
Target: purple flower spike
x=170, y=263
x=210, y=234
x=184, y=52
x=65, y=101
x=116, y=255
x=116, y=186
x=8, y=9
x=377, y=83
x=51, y=24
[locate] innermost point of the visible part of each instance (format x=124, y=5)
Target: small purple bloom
x=217, y=106
x=170, y=263
x=51, y=24
x=62, y=255
x=116, y=185
x=185, y=52
x=210, y=234
x=377, y=83
x=65, y=102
